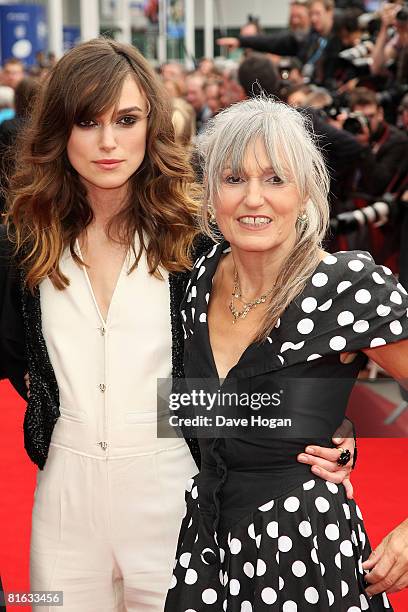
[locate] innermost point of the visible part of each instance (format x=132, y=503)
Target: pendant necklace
x=237, y=295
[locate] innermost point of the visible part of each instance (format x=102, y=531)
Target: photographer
x=354, y=57
x=309, y=46
x=392, y=47
x=403, y=114
x=387, y=144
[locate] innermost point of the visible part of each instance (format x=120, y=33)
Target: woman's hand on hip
x=323, y=461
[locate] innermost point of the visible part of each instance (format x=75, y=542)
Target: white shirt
x=107, y=371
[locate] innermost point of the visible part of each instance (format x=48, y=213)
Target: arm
x=280, y=44
x=389, y=562
x=393, y=358
x=382, y=51
x=323, y=461
x=283, y=44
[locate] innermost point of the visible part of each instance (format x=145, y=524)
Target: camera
x=358, y=54
x=356, y=123
x=286, y=65
x=392, y=95
x=402, y=15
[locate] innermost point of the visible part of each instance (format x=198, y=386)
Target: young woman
x=268, y=309
x=102, y=224
x=101, y=214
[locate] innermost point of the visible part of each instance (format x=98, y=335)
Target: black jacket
x=22, y=349
x=312, y=47
x=343, y=154
x=8, y=142
x=382, y=169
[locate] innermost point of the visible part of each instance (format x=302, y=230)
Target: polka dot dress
x=301, y=548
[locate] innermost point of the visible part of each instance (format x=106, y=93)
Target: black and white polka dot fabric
x=298, y=553
x=348, y=304
x=259, y=534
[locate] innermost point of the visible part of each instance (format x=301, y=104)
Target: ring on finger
x=344, y=457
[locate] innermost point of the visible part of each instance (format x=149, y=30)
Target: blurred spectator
x=52, y=59
x=351, y=55
x=297, y=94
x=12, y=73
x=286, y=43
x=403, y=114
x=25, y=95
x=388, y=144
x=290, y=69
x=173, y=89
x=299, y=19
x=43, y=62
x=197, y=98
x=213, y=96
x=231, y=90
x=321, y=46
x=206, y=67
x=251, y=27
x=322, y=16
x=392, y=41
x=318, y=98
x=258, y=75
x=174, y=71
x=6, y=103
x=36, y=72
x=311, y=47
x=183, y=121
x=41, y=59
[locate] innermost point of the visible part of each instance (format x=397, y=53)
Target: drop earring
x=302, y=219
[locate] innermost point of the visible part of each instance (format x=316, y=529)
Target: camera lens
x=353, y=125
x=402, y=15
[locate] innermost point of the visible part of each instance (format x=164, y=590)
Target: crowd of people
x=345, y=67
x=348, y=70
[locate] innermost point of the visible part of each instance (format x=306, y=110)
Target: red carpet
x=380, y=483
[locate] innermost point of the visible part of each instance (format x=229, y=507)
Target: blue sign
x=71, y=37
x=23, y=32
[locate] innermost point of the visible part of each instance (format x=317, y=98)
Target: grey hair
x=295, y=157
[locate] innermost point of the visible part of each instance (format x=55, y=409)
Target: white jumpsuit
x=109, y=502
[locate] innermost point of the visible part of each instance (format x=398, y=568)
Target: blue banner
x=23, y=32
x=71, y=37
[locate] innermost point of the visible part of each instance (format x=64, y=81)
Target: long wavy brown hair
x=48, y=204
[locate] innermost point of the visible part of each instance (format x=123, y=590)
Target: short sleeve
x=348, y=304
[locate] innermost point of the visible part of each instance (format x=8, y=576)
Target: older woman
x=269, y=309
